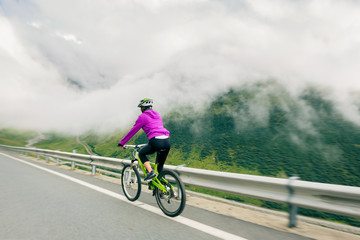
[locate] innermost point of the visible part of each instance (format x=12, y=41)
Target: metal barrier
x=331, y=198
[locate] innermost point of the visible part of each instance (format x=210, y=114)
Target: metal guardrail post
x=93, y=167
x=292, y=208
x=73, y=162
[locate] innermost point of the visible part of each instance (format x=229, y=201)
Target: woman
x=159, y=138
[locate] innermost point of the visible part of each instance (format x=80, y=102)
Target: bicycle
x=167, y=186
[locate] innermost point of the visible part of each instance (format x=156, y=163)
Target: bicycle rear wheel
x=131, y=182
x=173, y=202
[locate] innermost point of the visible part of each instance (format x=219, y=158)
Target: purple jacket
x=151, y=122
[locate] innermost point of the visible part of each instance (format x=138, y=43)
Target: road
x=88, y=150
x=40, y=201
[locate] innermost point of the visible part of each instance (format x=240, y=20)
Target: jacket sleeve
x=137, y=126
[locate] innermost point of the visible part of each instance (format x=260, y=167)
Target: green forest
x=260, y=129
x=257, y=131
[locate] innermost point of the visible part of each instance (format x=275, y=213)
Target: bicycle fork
x=128, y=178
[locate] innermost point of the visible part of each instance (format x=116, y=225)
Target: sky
x=79, y=65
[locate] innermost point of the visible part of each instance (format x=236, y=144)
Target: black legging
x=161, y=146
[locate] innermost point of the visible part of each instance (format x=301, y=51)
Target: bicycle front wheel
x=130, y=182
x=173, y=202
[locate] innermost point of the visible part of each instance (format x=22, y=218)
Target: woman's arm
x=137, y=126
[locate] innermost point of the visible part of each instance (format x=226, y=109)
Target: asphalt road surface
x=40, y=201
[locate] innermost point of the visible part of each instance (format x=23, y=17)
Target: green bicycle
x=167, y=187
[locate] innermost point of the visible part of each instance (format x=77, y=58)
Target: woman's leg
x=161, y=158
x=163, y=148
x=148, y=149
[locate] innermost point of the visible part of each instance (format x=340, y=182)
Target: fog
x=74, y=66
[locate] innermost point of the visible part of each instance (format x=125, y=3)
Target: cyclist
x=159, y=138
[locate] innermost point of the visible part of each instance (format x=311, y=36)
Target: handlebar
x=134, y=146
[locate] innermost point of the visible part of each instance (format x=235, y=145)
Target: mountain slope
x=271, y=133
x=259, y=129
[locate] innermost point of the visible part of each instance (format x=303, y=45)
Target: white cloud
x=69, y=37
x=173, y=51
x=35, y=24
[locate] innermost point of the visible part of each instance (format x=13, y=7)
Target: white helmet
x=146, y=102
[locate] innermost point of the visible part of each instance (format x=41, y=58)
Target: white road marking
x=185, y=221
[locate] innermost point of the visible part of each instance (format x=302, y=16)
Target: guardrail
x=331, y=198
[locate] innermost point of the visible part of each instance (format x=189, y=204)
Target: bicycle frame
x=168, y=189
x=155, y=181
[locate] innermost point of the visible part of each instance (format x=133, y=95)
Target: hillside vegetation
x=15, y=137
x=262, y=131
x=259, y=129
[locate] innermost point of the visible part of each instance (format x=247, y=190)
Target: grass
x=61, y=142
x=15, y=137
